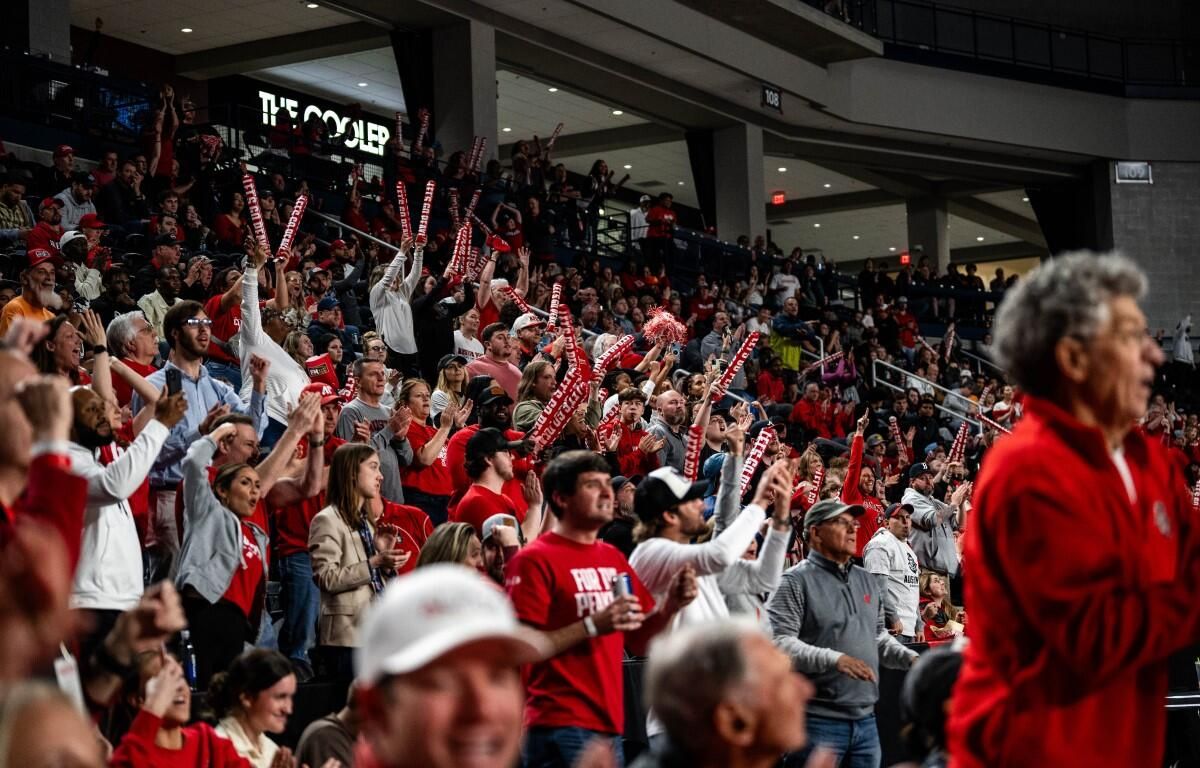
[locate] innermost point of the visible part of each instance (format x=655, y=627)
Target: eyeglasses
x=849, y=523
x=198, y=322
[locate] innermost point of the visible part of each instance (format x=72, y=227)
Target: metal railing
x=906, y=376
x=989, y=38
x=341, y=225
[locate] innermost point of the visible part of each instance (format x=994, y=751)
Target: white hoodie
x=109, y=575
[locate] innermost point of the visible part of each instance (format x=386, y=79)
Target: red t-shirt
x=414, y=527
x=554, y=582
x=434, y=479
x=246, y=579
x=121, y=387
x=488, y=313
x=292, y=521
x=479, y=503
x=225, y=325
x=456, y=458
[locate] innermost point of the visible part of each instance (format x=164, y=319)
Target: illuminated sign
x=772, y=97
x=778, y=198
x=361, y=134
x=905, y=259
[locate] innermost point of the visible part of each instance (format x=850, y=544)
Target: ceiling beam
x=608, y=140
x=847, y=201
x=283, y=50
x=997, y=218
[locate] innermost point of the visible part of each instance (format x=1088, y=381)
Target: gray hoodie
x=823, y=610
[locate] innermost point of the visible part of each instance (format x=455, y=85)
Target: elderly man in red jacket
x=1070, y=637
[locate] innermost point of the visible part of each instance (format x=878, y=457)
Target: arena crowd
x=447, y=455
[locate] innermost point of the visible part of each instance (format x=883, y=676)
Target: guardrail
x=906, y=376
x=990, y=38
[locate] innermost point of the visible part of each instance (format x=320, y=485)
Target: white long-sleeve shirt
x=658, y=560
x=109, y=575
x=286, y=380
x=392, y=309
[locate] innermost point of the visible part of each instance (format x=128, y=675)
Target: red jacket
x=53, y=495
x=814, y=417
x=1077, y=598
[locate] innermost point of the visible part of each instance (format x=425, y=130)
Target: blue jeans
x=561, y=747
x=225, y=372
x=856, y=742
x=301, y=602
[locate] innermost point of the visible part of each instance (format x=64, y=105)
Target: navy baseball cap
x=328, y=303
x=918, y=469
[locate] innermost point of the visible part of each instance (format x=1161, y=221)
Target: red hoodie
x=852, y=494
x=1070, y=636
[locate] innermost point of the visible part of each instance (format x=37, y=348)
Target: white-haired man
x=1069, y=639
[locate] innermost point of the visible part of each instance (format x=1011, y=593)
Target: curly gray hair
x=1068, y=295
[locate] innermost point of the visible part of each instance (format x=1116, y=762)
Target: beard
x=48, y=298
x=92, y=438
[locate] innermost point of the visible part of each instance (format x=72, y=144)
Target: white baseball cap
x=526, y=320
x=433, y=610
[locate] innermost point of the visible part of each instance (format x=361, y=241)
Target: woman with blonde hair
x=299, y=346
x=453, y=543
x=451, y=384
x=536, y=387
x=351, y=555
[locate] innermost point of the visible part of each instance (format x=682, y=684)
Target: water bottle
x=189, y=658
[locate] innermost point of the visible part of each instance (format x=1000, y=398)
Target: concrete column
x=738, y=171
x=50, y=29
x=464, y=86
x=927, y=230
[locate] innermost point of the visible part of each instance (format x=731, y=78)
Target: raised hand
x=651, y=443
x=531, y=489
x=258, y=371
x=683, y=589
x=214, y=414
x=93, y=329
x=163, y=687
x=46, y=401
x=362, y=431
x=613, y=443
x=24, y=334
x=222, y=432
x=464, y=412
x=169, y=411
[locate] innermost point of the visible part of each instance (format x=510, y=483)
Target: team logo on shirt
x=1162, y=519
x=912, y=562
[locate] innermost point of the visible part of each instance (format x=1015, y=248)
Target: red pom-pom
x=664, y=329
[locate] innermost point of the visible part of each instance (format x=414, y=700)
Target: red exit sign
x=905, y=259
x=778, y=198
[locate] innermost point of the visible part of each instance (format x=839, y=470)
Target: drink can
x=622, y=585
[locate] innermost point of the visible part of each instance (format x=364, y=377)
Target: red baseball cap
x=40, y=256
x=328, y=394
x=91, y=221
x=63, y=149
x=49, y=201
x=339, y=243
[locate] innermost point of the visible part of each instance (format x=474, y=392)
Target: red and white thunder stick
x=256, y=217
x=454, y=212
x=402, y=209
x=512, y=294
x=612, y=355
x=691, y=456
x=293, y=225
x=476, y=262
x=994, y=425
x=735, y=365
x=399, y=134
x=555, y=298
x=423, y=116
x=1196, y=497
x=754, y=458
x=553, y=137
x=458, y=256
x=576, y=354
x=426, y=207
x=470, y=212
x=823, y=361
x=814, y=490
x=557, y=413
x=959, y=446
x=901, y=449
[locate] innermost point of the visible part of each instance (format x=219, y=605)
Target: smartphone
x=174, y=381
